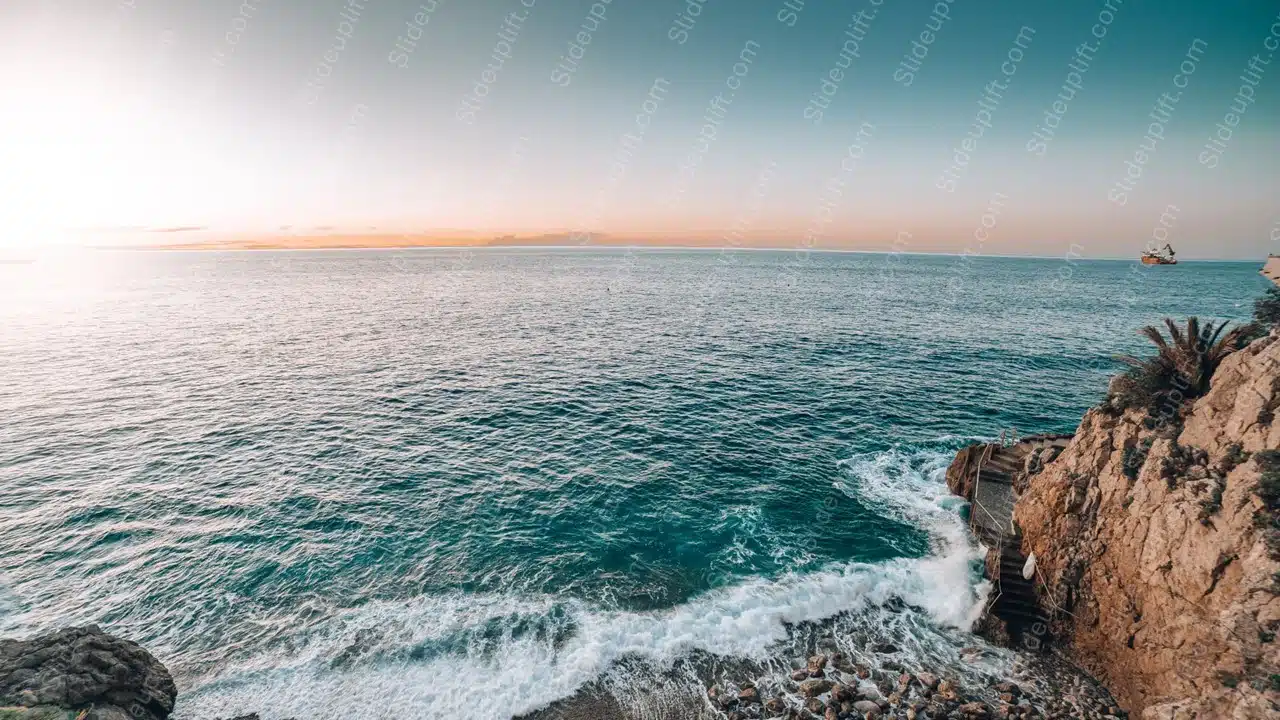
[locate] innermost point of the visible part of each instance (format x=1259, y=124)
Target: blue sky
x=145, y=112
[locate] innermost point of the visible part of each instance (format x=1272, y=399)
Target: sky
x=913, y=125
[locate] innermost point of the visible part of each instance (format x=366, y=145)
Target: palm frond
x=1154, y=335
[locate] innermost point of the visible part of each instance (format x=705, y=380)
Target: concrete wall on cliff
x=1160, y=579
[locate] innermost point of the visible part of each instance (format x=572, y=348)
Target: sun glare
x=82, y=151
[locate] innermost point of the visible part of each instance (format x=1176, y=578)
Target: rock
x=841, y=693
x=814, y=687
x=1008, y=687
x=815, y=706
x=775, y=706
x=928, y=681
x=41, y=712
x=871, y=693
x=974, y=710
x=799, y=675
x=867, y=709
x=748, y=695
x=831, y=714
x=82, y=667
x=817, y=663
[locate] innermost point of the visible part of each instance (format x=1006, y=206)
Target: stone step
x=1016, y=603
x=1022, y=589
x=1009, y=612
x=1003, y=464
x=1012, y=565
x=990, y=475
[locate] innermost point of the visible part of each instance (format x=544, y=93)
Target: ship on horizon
x=1160, y=257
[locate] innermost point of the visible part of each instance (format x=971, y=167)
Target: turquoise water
x=319, y=482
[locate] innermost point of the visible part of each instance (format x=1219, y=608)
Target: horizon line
x=640, y=247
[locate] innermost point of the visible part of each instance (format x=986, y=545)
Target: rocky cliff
x=1156, y=547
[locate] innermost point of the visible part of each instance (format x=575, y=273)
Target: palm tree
x=1186, y=361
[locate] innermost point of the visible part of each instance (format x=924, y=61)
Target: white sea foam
x=495, y=656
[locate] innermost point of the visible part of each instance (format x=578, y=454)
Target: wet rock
x=928, y=681
x=775, y=706
x=975, y=710
x=815, y=706
x=748, y=695
x=866, y=709
x=817, y=663
x=814, y=687
x=799, y=675
x=885, y=648
x=81, y=668
x=869, y=693
x=1010, y=688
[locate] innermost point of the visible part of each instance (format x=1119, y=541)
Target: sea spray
x=494, y=656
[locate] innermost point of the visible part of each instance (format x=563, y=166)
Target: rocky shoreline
x=834, y=688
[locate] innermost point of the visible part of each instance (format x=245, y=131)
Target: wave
x=495, y=656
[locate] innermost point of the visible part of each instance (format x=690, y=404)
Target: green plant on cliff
x=1268, y=516
x=1182, y=367
x=1135, y=457
x=1266, y=309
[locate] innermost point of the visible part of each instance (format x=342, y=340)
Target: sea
x=443, y=483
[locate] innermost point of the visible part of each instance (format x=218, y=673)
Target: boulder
x=814, y=688
x=866, y=709
x=83, y=668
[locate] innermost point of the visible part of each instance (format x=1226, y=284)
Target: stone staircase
x=991, y=519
